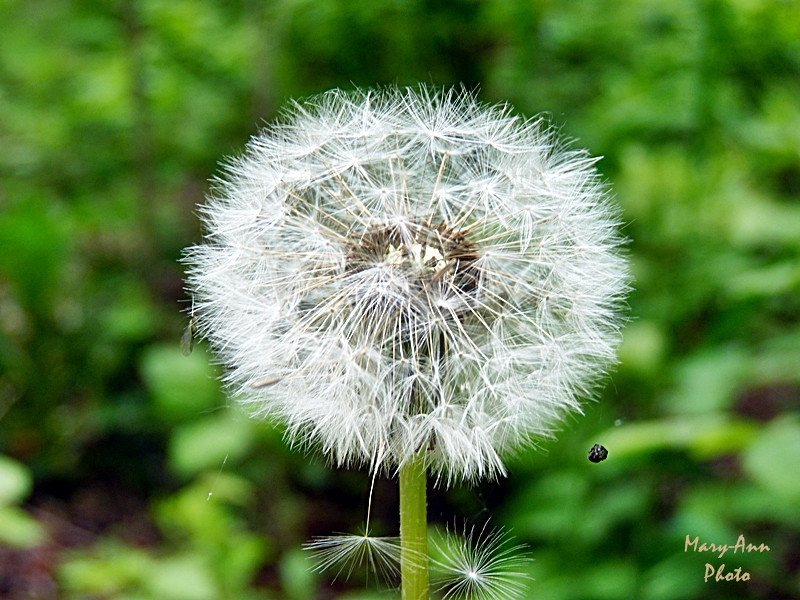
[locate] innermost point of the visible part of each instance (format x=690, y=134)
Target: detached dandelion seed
x=344, y=552
x=187, y=337
x=481, y=566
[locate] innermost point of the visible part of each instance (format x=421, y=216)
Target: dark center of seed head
x=432, y=257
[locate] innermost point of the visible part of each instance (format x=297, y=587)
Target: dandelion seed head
x=401, y=269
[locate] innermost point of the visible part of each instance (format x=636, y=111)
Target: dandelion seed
x=216, y=478
x=399, y=270
x=187, y=337
x=343, y=553
x=482, y=566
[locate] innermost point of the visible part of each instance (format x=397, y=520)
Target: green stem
x=414, y=530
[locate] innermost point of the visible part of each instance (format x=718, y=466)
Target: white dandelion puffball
x=401, y=270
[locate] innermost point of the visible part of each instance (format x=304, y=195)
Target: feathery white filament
x=480, y=566
x=343, y=553
x=404, y=269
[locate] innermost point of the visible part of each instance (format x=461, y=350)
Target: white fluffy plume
x=479, y=565
x=395, y=270
x=344, y=552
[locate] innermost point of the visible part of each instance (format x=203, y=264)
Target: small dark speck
x=597, y=453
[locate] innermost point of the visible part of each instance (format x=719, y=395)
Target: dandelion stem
x=414, y=529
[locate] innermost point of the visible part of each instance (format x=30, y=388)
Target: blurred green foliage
x=125, y=475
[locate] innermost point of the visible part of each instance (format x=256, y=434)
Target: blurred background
x=125, y=474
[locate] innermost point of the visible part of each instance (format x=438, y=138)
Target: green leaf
x=674, y=578
x=107, y=571
x=297, y=578
x=19, y=529
x=15, y=481
x=241, y=559
x=643, y=347
x=549, y=507
x=705, y=436
x=206, y=443
x=181, y=386
x=707, y=381
x=185, y=577
x=611, y=580
x=201, y=510
x=771, y=460
x=130, y=315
